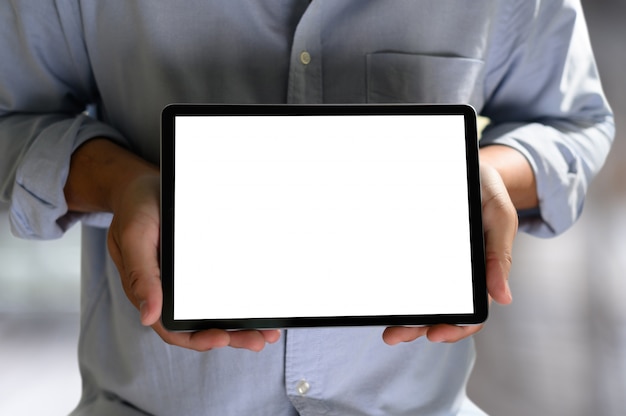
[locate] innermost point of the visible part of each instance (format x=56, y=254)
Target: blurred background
x=559, y=349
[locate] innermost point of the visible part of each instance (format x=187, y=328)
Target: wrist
x=516, y=173
x=100, y=172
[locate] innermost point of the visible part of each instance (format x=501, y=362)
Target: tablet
x=279, y=216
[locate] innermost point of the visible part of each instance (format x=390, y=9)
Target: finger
x=451, y=333
x=271, y=336
x=397, y=334
x=253, y=339
x=435, y=333
x=250, y=340
x=198, y=341
x=217, y=338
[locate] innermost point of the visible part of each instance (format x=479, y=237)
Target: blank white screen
x=306, y=216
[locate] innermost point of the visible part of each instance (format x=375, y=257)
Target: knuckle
x=133, y=281
x=137, y=278
x=168, y=340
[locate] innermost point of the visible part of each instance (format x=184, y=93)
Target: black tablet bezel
x=168, y=182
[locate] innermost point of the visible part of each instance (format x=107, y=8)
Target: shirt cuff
x=38, y=207
x=561, y=179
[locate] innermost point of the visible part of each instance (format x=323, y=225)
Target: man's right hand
x=105, y=177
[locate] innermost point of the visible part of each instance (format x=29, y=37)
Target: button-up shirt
x=527, y=66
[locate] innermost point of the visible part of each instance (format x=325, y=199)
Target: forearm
x=516, y=173
x=99, y=172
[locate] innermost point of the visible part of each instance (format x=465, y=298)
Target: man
x=526, y=65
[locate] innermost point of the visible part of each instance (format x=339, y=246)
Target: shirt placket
x=305, y=70
x=305, y=373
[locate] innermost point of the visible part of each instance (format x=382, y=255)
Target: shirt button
x=303, y=387
x=305, y=58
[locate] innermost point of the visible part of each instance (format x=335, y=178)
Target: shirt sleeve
x=45, y=87
x=545, y=99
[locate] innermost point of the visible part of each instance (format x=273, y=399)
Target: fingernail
x=143, y=311
x=436, y=339
x=508, y=291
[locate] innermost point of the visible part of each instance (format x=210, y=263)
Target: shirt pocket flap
x=414, y=78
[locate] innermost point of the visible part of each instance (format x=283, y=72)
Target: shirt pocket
x=394, y=77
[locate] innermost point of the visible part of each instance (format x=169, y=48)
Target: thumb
x=145, y=287
x=500, y=224
x=135, y=253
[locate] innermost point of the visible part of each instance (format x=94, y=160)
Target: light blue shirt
x=527, y=65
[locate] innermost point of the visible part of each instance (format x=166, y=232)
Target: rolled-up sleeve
x=45, y=86
x=545, y=99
